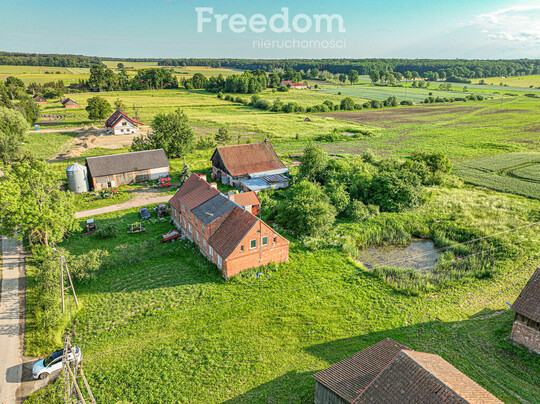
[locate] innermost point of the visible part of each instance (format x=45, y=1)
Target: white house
x=121, y=124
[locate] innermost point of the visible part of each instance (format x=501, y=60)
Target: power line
x=349, y=273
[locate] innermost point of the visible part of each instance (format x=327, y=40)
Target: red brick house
x=248, y=200
x=391, y=373
x=39, y=99
x=226, y=233
x=250, y=167
x=526, y=327
x=296, y=86
x=69, y=103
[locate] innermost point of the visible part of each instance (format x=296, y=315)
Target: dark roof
x=389, y=372
x=126, y=162
x=117, y=117
x=213, y=209
x=232, y=231
x=423, y=378
x=39, y=98
x=528, y=301
x=247, y=159
x=353, y=375
x=69, y=101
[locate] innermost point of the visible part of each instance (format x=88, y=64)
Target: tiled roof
x=198, y=196
x=69, y=101
x=351, y=376
x=213, y=209
x=528, y=301
x=126, y=162
x=247, y=159
x=232, y=231
x=192, y=183
x=246, y=198
x=117, y=116
x=423, y=378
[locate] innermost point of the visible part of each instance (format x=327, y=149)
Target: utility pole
x=72, y=369
x=63, y=265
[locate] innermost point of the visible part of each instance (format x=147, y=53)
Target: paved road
x=135, y=203
x=11, y=320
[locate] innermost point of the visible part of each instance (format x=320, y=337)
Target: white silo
x=77, y=178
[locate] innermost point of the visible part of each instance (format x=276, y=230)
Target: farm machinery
x=162, y=210
x=91, y=227
x=136, y=227
x=171, y=236
x=164, y=182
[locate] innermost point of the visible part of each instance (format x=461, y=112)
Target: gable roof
x=232, y=231
x=117, y=116
x=68, y=101
x=213, y=209
x=528, y=301
x=251, y=158
x=126, y=162
x=198, y=196
x=192, y=183
x=424, y=378
x=39, y=98
x=389, y=372
x=353, y=375
x=245, y=198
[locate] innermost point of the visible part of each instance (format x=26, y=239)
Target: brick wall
x=527, y=336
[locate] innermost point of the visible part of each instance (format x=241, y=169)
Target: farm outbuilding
x=126, y=168
x=69, y=103
x=391, y=373
x=77, y=178
x=39, y=99
x=251, y=167
x=121, y=124
x=526, y=327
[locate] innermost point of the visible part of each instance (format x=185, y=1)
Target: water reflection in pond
x=419, y=254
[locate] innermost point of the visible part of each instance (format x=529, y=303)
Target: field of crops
x=516, y=173
x=382, y=93
x=520, y=81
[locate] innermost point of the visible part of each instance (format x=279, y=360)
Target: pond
x=420, y=254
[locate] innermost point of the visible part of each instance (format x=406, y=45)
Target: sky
x=494, y=29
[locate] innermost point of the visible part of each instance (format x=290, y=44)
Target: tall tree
x=223, y=135
x=314, y=162
x=13, y=127
x=33, y=203
x=353, y=76
x=98, y=108
x=374, y=76
x=342, y=78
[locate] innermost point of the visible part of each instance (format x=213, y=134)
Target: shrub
x=107, y=230
x=347, y=104
x=205, y=142
x=406, y=102
x=283, y=89
x=359, y=212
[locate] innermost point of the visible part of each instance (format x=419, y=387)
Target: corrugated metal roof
x=528, y=301
x=256, y=184
x=126, y=162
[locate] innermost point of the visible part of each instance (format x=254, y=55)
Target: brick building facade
x=226, y=233
x=526, y=327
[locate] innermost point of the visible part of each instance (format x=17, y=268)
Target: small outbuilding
x=69, y=103
x=39, y=99
x=391, y=373
x=126, y=168
x=296, y=86
x=526, y=327
x=121, y=124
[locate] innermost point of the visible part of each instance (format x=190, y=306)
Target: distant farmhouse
x=526, y=328
x=39, y=99
x=391, y=373
x=69, y=103
x=126, y=168
x=226, y=233
x=121, y=124
x=295, y=86
x=250, y=167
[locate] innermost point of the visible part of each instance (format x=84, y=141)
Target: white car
x=44, y=367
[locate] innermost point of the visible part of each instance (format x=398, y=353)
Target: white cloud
x=517, y=23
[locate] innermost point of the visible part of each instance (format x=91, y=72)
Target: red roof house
x=391, y=373
x=297, y=86
x=227, y=234
x=248, y=200
x=121, y=124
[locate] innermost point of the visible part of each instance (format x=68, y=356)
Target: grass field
x=382, y=93
x=517, y=173
x=520, y=81
x=37, y=74
x=259, y=339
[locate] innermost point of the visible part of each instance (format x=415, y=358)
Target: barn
x=69, y=103
x=391, y=373
x=226, y=233
x=251, y=167
x=526, y=327
x=296, y=86
x=126, y=168
x=121, y=124
x=39, y=99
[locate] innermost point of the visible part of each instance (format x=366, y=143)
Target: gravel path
x=134, y=203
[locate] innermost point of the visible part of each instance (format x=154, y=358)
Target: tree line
x=52, y=60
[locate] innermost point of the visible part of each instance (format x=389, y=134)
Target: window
x=264, y=240
x=242, y=248
x=204, y=245
x=190, y=229
x=253, y=244
x=124, y=123
x=275, y=239
x=198, y=240
x=211, y=251
x=184, y=208
x=196, y=222
x=219, y=261
x=203, y=228
x=190, y=215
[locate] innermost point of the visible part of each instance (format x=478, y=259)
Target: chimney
x=266, y=140
x=230, y=195
x=202, y=176
x=213, y=185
